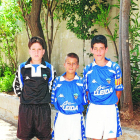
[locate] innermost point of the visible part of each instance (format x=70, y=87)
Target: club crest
x=75, y=95
x=45, y=76
x=108, y=80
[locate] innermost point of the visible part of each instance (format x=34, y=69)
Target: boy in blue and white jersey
x=68, y=98
x=102, y=83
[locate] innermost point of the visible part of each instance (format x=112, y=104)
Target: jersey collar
x=108, y=63
x=63, y=79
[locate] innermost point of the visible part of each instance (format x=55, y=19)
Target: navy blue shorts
x=34, y=120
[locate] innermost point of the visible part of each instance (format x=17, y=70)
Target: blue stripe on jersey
x=119, y=130
x=82, y=128
x=56, y=116
x=21, y=78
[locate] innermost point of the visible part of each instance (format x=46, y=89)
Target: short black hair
x=36, y=39
x=73, y=55
x=99, y=39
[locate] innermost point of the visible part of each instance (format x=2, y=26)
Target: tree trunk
x=50, y=40
x=127, y=109
x=120, y=48
x=33, y=21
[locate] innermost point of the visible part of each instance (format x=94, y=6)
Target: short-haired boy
x=102, y=83
x=31, y=84
x=68, y=98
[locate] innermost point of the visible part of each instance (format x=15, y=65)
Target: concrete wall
x=9, y=106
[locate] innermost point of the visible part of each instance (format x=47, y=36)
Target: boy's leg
x=112, y=123
x=25, y=124
x=76, y=131
x=61, y=127
x=42, y=120
x=68, y=127
x=94, y=122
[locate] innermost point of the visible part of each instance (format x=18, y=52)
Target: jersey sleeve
x=85, y=80
x=52, y=77
x=53, y=92
x=84, y=95
x=18, y=82
x=118, y=78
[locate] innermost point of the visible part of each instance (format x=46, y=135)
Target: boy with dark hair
x=68, y=98
x=31, y=84
x=102, y=83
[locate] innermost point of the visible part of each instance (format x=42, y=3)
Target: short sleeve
x=118, y=78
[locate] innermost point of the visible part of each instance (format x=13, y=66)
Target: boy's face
x=99, y=51
x=36, y=52
x=71, y=65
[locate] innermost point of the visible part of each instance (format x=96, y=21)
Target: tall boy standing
x=68, y=98
x=102, y=83
x=31, y=84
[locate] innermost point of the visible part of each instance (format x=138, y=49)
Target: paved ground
x=8, y=131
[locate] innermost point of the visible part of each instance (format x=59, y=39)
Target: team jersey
x=102, y=82
x=68, y=96
x=33, y=82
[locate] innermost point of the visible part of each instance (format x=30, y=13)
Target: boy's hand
x=87, y=97
x=118, y=93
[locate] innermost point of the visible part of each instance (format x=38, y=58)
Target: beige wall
x=66, y=42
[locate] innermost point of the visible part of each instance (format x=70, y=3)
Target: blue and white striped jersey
x=102, y=82
x=68, y=96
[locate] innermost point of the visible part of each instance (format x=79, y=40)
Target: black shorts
x=34, y=120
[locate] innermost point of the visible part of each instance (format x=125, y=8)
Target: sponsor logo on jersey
x=108, y=80
x=94, y=81
x=26, y=78
x=103, y=90
x=69, y=106
x=75, y=95
x=45, y=76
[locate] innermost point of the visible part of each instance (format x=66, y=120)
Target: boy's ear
x=77, y=66
x=64, y=64
x=91, y=50
x=106, y=50
x=29, y=51
x=43, y=51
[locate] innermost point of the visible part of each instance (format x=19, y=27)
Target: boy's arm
x=118, y=82
x=87, y=96
x=86, y=91
x=53, y=76
x=17, y=84
x=118, y=93
x=53, y=92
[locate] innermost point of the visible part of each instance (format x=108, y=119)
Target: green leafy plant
x=8, y=30
x=134, y=44
x=6, y=81
x=135, y=74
